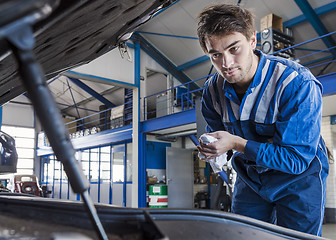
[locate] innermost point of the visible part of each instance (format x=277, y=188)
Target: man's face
x=232, y=56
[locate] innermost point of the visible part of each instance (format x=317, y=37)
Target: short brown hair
x=224, y=19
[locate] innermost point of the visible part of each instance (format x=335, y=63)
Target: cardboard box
x=152, y=180
x=271, y=21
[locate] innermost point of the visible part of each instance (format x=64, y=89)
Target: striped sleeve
x=210, y=108
x=298, y=123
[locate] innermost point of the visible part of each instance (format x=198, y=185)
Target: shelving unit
x=128, y=110
x=273, y=40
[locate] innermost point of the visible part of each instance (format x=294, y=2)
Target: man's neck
x=241, y=87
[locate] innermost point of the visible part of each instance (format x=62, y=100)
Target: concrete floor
x=329, y=231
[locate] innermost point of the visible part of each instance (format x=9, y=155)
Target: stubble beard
x=243, y=75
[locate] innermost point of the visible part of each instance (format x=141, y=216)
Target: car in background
x=22, y=183
x=27, y=184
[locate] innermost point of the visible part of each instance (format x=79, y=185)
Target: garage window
x=24, y=142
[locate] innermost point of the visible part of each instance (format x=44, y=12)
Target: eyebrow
x=232, y=44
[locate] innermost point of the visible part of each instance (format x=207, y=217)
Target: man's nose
x=227, y=61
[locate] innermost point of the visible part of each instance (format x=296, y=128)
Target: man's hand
x=225, y=142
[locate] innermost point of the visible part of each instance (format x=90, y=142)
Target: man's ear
x=253, y=40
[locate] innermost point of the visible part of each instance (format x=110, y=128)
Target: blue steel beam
x=162, y=60
x=168, y=121
x=302, y=18
x=189, y=116
x=328, y=82
x=288, y=24
x=92, y=92
x=98, y=79
x=168, y=35
x=317, y=61
x=193, y=62
x=103, y=138
x=325, y=64
x=315, y=21
x=141, y=139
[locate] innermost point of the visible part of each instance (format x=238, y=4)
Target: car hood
x=75, y=33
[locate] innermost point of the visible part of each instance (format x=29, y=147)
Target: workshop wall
x=18, y=112
x=327, y=134
x=110, y=66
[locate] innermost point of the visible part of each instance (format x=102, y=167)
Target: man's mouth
x=230, y=71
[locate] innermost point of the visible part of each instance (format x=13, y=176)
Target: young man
x=267, y=109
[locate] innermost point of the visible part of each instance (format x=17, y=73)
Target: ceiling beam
x=319, y=11
x=169, y=121
x=98, y=79
x=92, y=92
x=193, y=62
x=167, y=35
x=317, y=24
x=163, y=61
x=85, y=101
x=289, y=23
x=328, y=82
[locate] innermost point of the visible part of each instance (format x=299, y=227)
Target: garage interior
x=132, y=108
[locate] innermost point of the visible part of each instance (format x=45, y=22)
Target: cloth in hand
x=216, y=163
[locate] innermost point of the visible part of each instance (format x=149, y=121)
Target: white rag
x=216, y=163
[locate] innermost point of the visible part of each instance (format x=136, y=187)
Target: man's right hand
x=225, y=142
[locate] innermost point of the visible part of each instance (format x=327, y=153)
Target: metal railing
x=175, y=99
x=110, y=118
x=169, y=101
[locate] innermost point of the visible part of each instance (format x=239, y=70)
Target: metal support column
x=138, y=136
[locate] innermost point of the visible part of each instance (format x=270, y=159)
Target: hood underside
x=75, y=33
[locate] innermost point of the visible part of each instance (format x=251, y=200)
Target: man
x=268, y=110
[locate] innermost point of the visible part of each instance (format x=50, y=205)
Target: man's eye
x=234, y=49
x=215, y=55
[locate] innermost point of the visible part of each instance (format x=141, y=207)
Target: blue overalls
x=281, y=177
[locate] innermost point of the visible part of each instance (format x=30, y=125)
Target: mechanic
x=268, y=110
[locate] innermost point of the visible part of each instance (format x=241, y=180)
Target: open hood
x=76, y=32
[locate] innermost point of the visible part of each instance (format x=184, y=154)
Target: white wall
x=18, y=112
x=110, y=66
x=327, y=135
